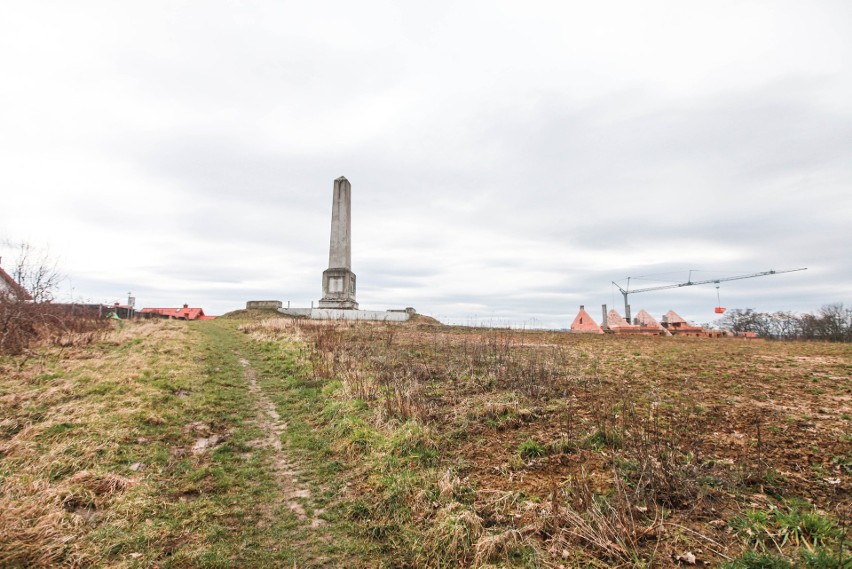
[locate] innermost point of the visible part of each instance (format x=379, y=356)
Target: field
x=254, y=441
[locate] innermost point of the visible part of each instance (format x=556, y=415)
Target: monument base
x=338, y=304
x=340, y=314
x=338, y=289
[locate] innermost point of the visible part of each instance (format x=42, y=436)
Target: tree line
x=831, y=323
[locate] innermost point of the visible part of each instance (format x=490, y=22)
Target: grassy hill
x=253, y=441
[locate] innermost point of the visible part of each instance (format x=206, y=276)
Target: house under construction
x=671, y=324
x=585, y=324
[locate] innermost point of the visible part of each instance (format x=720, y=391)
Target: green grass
x=531, y=449
x=114, y=442
x=807, y=537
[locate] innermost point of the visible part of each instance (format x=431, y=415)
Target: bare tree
x=833, y=322
x=786, y=325
x=836, y=322
x=747, y=320
x=28, y=318
x=36, y=272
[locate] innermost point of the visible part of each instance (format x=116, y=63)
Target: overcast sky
x=508, y=160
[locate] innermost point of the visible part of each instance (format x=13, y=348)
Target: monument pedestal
x=338, y=289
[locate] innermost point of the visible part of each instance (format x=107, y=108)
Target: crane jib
x=626, y=292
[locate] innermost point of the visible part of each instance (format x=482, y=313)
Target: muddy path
x=294, y=492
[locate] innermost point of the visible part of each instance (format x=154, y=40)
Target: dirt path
x=273, y=427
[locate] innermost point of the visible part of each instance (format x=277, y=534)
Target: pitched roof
x=614, y=319
x=584, y=323
x=673, y=317
x=674, y=321
x=10, y=284
x=647, y=322
x=646, y=319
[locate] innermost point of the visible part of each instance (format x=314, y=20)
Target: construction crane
x=690, y=282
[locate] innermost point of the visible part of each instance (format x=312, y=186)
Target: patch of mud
x=273, y=427
x=203, y=443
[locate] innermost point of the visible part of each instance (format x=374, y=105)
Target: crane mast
x=690, y=282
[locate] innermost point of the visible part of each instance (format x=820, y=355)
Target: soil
x=717, y=426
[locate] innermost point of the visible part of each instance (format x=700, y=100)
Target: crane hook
x=719, y=308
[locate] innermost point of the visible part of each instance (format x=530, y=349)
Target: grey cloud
x=453, y=177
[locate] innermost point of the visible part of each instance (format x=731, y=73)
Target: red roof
x=7, y=283
x=185, y=313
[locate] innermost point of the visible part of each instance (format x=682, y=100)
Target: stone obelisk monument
x=338, y=281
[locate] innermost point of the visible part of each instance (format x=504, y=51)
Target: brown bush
x=24, y=325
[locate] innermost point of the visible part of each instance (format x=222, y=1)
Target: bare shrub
x=832, y=322
x=608, y=526
x=400, y=390
x=64, y=328
x=18, y=325
x=666, y=476
x=35, y=271
x=359, y=384
x=655, y=461
x=24, y=325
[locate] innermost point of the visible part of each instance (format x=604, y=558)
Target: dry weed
x=451, y=535
x=401, y=393
x=448, y=484
x=272, y=329
x=609, y=527
x=497, y=547
x=648, y=419
x=359, y=384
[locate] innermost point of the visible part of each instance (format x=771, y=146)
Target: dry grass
x=37, y=531
x=497, y=547
x=609, y=527
x=63, y=427
x=628, y=432
x=454, y=530
x=459, y=447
